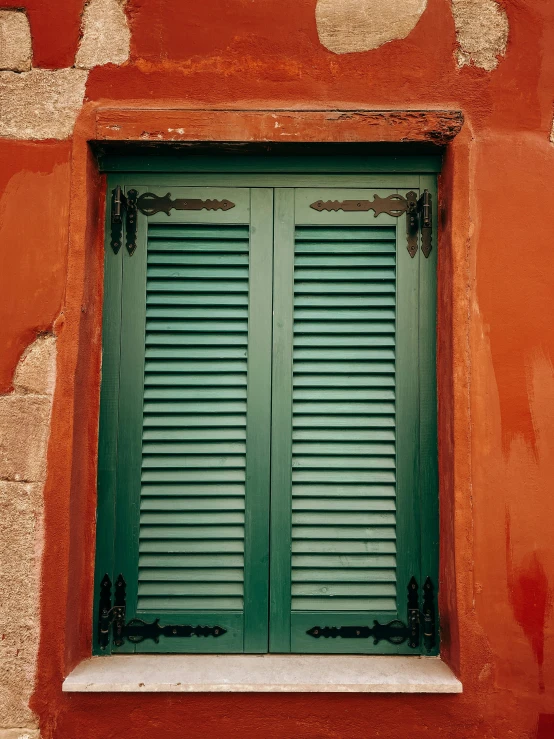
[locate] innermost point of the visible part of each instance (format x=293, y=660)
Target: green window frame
x=249, y=275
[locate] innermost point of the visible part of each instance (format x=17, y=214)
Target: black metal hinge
x=395, y=632
x=417, y=212
x=136, y=630
x=124, y=204
x=149, y=204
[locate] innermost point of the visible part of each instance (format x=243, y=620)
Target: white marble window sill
x=268, y=673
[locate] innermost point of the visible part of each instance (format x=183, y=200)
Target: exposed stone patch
x=106, y=36
x=481, y=32
x=44, y=103
x=36, y=370
x=15, y=41
x=346, y=26
x=24, y=430
x=40, y=104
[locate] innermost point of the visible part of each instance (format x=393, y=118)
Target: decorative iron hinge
x=394, y=205
x=136, y=630
x=121, y=204
x=395, y=632
x=149, y=204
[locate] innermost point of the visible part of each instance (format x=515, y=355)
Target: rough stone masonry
x=24, y=432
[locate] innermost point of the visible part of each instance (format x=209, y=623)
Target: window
x=268, y=455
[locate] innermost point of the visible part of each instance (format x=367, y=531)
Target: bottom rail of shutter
x=304, y=643
x=229, y=642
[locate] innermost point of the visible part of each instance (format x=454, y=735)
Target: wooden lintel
x=143, y=124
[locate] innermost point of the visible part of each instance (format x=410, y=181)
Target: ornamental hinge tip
x=429, y=621
x=413, y=613
x=104, y=609
x=121, y=204
x=425, y=209
x=137, y=630
x=411, y=222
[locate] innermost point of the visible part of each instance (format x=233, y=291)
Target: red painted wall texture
x=496, y=338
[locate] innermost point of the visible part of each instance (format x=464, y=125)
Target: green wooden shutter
x=194, y=413
x=268, y=420
x=345, y=435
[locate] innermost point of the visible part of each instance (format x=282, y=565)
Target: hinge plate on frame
x=121, y=204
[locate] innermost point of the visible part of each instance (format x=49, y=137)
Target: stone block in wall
x=42, y=103
x=21, y=536
x=36, y=371
x=24, y=431
x=106, y=36
x=25, y=418
x=348, y=26
x=15, y=41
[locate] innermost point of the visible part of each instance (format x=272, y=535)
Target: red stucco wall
x=496, y=344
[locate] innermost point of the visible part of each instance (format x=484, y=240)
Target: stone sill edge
x=158, y=673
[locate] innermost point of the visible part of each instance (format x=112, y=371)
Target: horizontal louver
x=194, y=426
x=343, y=463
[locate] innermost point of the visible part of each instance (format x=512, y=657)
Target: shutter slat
x=329, y=262
x=358, y=247
x=335, y=381
x=194, y=563
x=160, y=379
x=189, y=232
x=186, y=503
x=200, y=258
x=350, y=603
x=342, y=235
x=186, y=299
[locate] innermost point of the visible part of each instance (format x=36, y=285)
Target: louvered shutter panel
x=345, y=422
x=193, y=449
